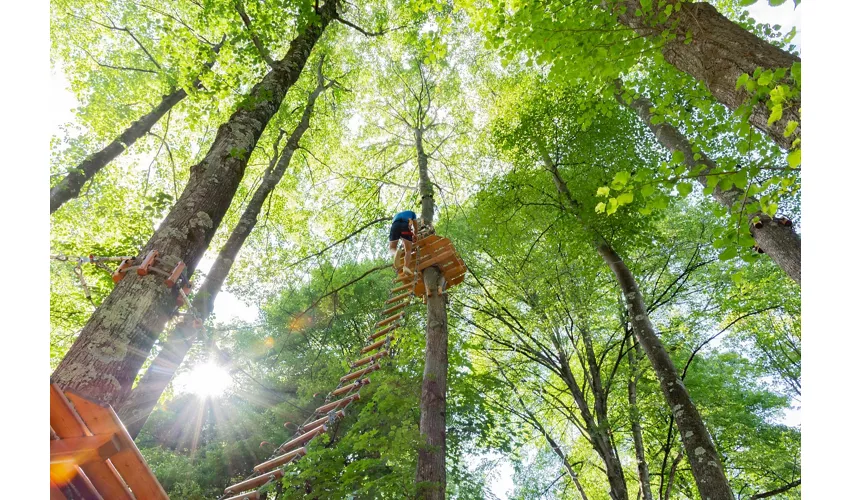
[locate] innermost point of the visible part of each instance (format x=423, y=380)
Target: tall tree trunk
x=135, y=411
x=431, y=467
x=705, y=462
x=104, y=360
x=780, y=242
x=634, y=417
x=718, y=52
x=69, y=187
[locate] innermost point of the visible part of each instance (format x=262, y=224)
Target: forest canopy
x=619, y=180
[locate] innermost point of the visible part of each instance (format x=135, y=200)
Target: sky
x=228, y=307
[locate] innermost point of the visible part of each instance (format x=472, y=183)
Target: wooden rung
x=390, y=319
x=383, y=332
x=81, y=450
x=348, y=388
x=397, y=298
x=340, y=403
x=369, y=359
x=254, y=482
x=358, y=374
x=402, y=287
x=432, y=249
x=281, y=460
x=395, y=308
x=129, y=461
x=376, y=345
x=322, y=421
x=147, y=263
x=251, y=495
x=106, y=480
x=303, y=438
x=175, y=274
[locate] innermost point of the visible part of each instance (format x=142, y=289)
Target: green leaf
x=647, y=190
x=775, y=114
x=612, y=205
x=795, y=158
x=790, y=128
x=600, y=207
x=603, y=191
x=678, y=157
x=729, y=253
x=742, y=80
x=625, y=198
x=684, y=188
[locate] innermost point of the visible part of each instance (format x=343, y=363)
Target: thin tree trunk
x=718, y=52
x=431, y=466
x=672, y=476
x=780, y=242
x=104, y=360
x=705, y=462
x=69, y=187
x=637, y=432
x=135, y=411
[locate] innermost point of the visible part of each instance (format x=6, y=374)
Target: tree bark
x=637, y=432
x=705, y=462
x=431, y=466
x=69, y=187
x=718, y=53
x=780, y=242
x=703, y=457
x=135, y=411
x=104, y=360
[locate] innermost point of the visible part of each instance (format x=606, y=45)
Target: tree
x=138, y=406
x=105, y=358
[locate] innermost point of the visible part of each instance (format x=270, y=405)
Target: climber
x=400, y=230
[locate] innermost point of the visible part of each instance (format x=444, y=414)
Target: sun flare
x=208, y=380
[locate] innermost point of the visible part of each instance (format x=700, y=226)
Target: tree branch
x=335, y=290
x=264, y=53
x=777, y=491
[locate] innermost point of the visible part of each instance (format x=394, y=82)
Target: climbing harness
x=430, y=250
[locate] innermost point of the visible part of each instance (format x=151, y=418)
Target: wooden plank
x=372, y=347
x=360, y=373
x=389, y=320
x=252, y=495
x=348, y=388
x=63, y=420
x=442, y=256
x=340, y=403
x=315, y=423
x=55, y=492
x=383, y=332
x=129, y=461
x=303, y=438
x=83, y=485
x=81, y=450
x=397, y=298
x=426, y=240
x=107, y=481
x=434, y=247
x=369, y=359
x=395, y=308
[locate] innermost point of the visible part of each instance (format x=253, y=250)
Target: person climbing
x=399, y=230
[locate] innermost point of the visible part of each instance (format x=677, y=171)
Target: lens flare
x=208, y=380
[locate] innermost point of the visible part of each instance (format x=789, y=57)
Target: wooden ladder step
x=372, y=347
x=397, y=298
x=303, y=438
x=340, y=403
x=82, y=450
x=350, y=387
x=322, y=421
x=254, y=482
x=383, y=332
x=281, y=460
x=402, y=287
x=369, y=359
x=359, y=373
x=390, y=319
x=395, y=308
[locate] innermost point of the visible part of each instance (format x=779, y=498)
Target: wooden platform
x=437, y=251
x=92, y=455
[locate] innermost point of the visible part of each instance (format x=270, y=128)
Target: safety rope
x=96, y=260
x=355, y=378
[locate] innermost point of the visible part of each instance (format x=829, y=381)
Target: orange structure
x=91, y=454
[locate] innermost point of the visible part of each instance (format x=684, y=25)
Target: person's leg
x=396, y=251
x=408, y=248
